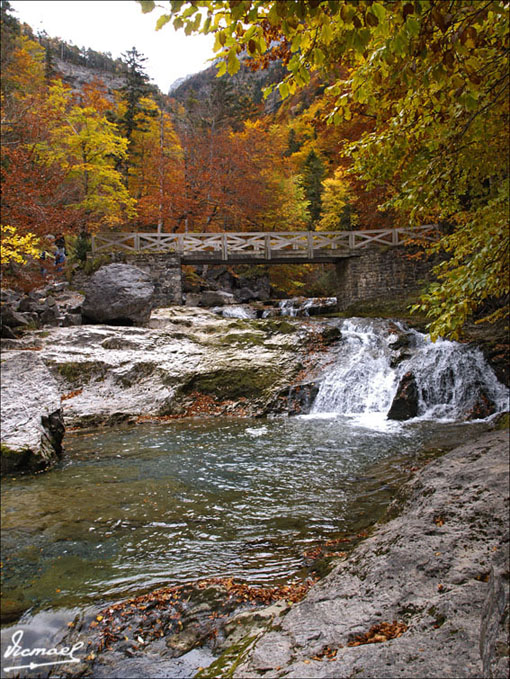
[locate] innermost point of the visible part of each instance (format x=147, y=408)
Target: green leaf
x=283, y=89
x=378, y=10
x=412, y=26
x=163, y=19
x=318, y=56
x=233, y=64
x=147, y=5
x=326, y=34
x=222, y=69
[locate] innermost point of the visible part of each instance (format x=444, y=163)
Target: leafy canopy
x=433, y=77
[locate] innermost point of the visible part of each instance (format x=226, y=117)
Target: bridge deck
x=257, y=247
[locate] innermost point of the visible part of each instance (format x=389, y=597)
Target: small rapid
x=374, y=355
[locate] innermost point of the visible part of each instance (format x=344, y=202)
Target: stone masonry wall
x=377, y=272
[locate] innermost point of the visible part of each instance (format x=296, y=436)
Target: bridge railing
x=265, y=245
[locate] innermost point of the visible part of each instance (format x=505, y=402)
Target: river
x=134, y=508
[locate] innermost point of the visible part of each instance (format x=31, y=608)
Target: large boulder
x=405, y=403
x=118, y=294
x=32, y=426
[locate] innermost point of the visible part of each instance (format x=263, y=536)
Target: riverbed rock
x=13, y=319
x=32, y=423
x=483, y=407
x=211, y=298
x=296, y=399
x=437, y=574
x=405, y=402
x=118, y=294
x=189, y=362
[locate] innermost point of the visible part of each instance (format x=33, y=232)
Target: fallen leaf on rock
x=71, y=394
x=327, y=652
x=383, y=631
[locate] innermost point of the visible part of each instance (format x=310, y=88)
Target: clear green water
x=133, y=509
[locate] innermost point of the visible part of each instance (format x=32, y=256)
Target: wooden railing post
x=137, y=242
x=224, y=251
x=93, y=244
x=394, y=237
x=180, y=244
x=352, y=241
x=309, y=238
x=267, y=246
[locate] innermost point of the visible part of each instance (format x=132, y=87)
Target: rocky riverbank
x=188, y=362
x=425, y=596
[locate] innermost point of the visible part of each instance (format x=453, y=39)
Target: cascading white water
x=302, y=306
x=235, y=311
x=449, y=376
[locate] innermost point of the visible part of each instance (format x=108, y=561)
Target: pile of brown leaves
x=327, y=652
x=259, y=595
x=383, y=631
x=203, y=404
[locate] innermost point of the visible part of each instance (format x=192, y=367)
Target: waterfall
x=374, y=355
x=303, y=306
x=235, y=311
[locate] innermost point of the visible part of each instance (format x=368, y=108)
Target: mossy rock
x=17, y=461
x=502, y=422
x=394, y=306
x=229, y=660
x=78, y=373
x=277, y=325
x=231, y=383
x=251, y=338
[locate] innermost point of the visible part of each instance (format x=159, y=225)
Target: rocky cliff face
x=77, y=76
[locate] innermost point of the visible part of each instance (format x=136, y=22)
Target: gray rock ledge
x=32, y=423
x=440, y=567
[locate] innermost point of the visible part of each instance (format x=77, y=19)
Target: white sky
x=115, y=26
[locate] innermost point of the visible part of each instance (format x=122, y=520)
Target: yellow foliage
x=17, y=248
x=336, y=196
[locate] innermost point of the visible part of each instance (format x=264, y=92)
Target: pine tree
x=136, y=88
x=313, y=172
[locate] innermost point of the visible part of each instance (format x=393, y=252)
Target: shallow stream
x=135, y=508
x=132, y=509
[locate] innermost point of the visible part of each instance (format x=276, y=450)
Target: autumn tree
x=155, y=177
x=433, y=77
x=34, y=195
x=16, y=247
x=85, y=145
x=337, y=210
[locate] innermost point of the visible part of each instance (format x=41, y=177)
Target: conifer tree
x=313, y=172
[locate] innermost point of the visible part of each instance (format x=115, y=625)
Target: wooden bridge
x=258, y=247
